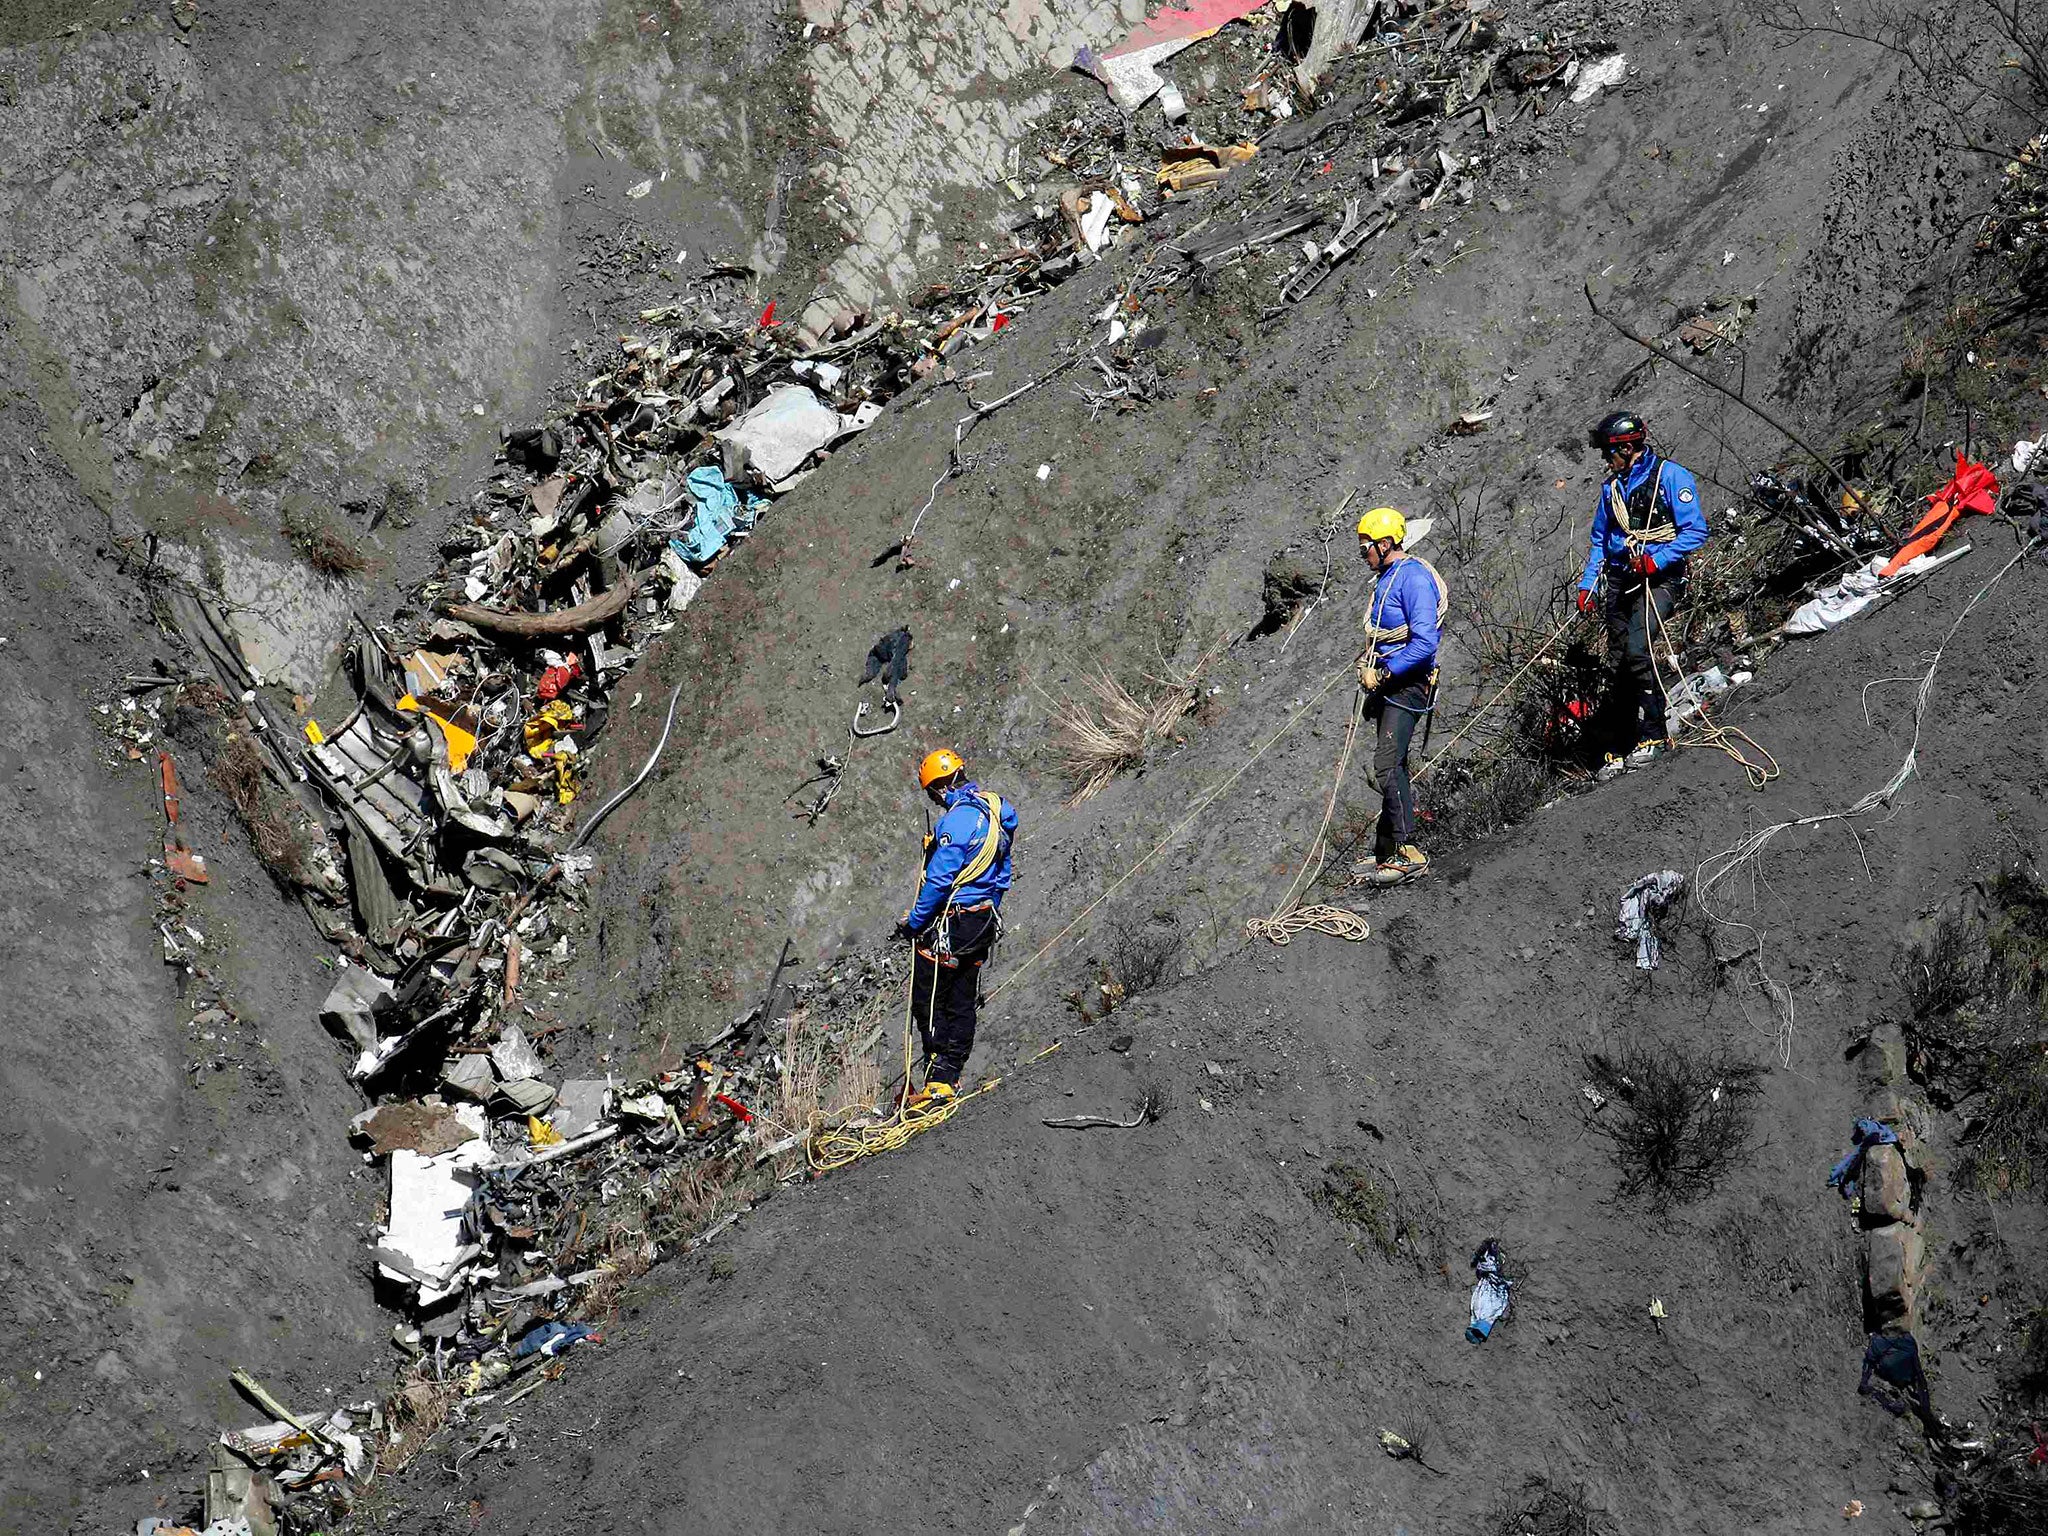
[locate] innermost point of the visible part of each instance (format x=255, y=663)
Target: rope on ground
x=1747, y=853
x=1338, y=922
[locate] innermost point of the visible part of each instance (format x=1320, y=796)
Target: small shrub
x=1138, y=955
x=1946, y=971
x=1678, y=1119
x=1372, y=1202
x=320, y=547
x=2000, y=1495
x=2029, y=1368
x=1544, y=1508
x=1479, y=802
x=1977, y=986
x=723, y=1266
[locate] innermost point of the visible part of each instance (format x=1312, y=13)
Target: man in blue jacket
x=954, y=922
x=1403, y=625
x=1647, y=524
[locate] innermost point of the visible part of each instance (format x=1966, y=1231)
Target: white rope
x=1716, y=868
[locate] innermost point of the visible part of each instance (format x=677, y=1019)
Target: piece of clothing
x=1661, y=498
x=1849, y=1171
x=1637, y=702
x=888, y=659
x=1405, y=616
x=720, y=515
x=550, y=1339
x=1399, y=710
x=1641, y=905
x=955, y=842
x=1491, y=1292
x=943, y=999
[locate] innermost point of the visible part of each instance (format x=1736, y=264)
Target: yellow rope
x=841, y=1146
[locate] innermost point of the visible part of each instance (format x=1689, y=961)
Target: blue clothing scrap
x=1867, y=1134
x=721, y=514
x=1680, y=495
x=955, y=841
x=551, y=1339
x=1406, y=594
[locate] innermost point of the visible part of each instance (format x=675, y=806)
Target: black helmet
x=1623, y=429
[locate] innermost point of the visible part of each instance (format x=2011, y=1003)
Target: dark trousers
x=1636, y=701
x=942, y=994
x=1400, y=709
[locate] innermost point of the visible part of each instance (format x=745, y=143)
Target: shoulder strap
x=984, y=857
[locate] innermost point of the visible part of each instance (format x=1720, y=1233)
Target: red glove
x=1585, y=600
x=1643, y=563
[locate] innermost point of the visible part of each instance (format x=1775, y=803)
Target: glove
x=1368, y=674
x=1643, y=563
x=902, y=929
x=1585, y=599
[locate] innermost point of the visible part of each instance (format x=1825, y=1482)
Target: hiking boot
x=931, y=1096
x=1647, y=750
x=1611, y=770
x=1408, y=863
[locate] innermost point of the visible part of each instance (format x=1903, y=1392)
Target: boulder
x=1887, y=1187
x=1895, y=1261
x=1886, y=1054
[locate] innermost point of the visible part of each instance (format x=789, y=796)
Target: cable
x=639, y=778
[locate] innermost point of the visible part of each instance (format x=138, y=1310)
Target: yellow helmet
x=942, y=764
x=1383, y=523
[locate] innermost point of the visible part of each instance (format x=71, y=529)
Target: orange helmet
x=942, y=764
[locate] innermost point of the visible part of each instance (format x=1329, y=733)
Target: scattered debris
x=1147, y=1108
x=1641, y=905
x=1601, y=75
x=1490, y=1292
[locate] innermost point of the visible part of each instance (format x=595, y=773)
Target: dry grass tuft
x=416, y=1412
x=1110, y=729
x=823, y=1077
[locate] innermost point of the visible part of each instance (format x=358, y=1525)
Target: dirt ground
x=283, y=262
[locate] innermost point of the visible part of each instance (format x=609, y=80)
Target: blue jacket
x=955, y=840
x=1680, y=494
x=1405, y=594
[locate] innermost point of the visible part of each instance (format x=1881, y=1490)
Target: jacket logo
x=1685, y=495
